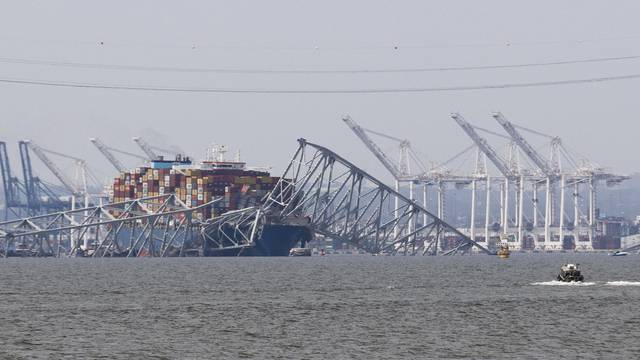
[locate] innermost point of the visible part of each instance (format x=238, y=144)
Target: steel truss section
x=151, y=226
x=233, y=230
x=345, y=203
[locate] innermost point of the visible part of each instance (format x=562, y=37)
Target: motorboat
x=570, y=273
x=300, y=252
x=620, y=253
x=503, y=251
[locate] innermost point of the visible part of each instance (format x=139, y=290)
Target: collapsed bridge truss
x=342, y=201
x=319, y=190
x=153, y=226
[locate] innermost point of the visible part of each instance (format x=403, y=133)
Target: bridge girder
x=154, y=226
x=342, y=201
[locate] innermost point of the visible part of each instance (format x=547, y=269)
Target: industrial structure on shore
x=171, y=206
x=557, y=220
x=319, y=194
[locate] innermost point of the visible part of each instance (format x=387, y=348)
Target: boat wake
x=562, y=283
x=609, y=283
x=623, y=283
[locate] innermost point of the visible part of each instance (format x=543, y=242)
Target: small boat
x=300, y=252
x=620, y=253
x=570, y=273
x=503, y=252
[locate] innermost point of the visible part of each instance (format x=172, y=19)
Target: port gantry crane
x=77, y=191
x=107, y=151
x=39, y=196
x=319, y=189
x=508, y=168
x=552, y=173
x=400, y=172
x=150, y=150
x=14, y=191
x=438, y=175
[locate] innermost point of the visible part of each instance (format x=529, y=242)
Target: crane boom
x=29, y=179
x=64, y=180
x=110, y=157
x=146, y=148
x=8, y=181
x=484, y=146
x=531, y=153
x=373, y=147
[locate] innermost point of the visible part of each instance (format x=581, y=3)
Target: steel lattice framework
x=319, y=190
x=233, y=230
x=341, y=201
x=153, y=226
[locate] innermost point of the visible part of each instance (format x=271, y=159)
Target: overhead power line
x=305, y=71
x=398, y=46
x=315, y=91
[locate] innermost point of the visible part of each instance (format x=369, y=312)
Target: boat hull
x=274, y=240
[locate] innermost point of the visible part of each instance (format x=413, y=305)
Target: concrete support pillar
x=440, y=210
x=535, y=204
x=576, y=208
x=506, y=207
x=520, y=212
x=424, y=203
x=487, y=212
x=472, y=226
x=412, y=220
x=395, y=209
x=547, y=217
x=592, y=210
x=561, y=223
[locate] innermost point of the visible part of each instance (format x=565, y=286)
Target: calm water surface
x=332, y=307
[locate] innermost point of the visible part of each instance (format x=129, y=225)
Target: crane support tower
x=511, y=175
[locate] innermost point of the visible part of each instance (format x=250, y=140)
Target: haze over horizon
x=594, y=119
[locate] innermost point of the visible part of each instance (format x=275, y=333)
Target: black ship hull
x=274, y=240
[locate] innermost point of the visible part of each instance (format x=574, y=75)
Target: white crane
x=551, y=171
x=146, y=148
x=402, y=171
x=77, y=190
x=395, y=170
x=55, y=170
x=487, y=149
x=150, y=150
x=107, y=151
x=509, y=169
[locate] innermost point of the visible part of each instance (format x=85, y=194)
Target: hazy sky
x=597, y=119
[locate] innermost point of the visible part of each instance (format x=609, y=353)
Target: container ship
x=197, y=184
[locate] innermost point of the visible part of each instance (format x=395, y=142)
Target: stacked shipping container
x=195, y=186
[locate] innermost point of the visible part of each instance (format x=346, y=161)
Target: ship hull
x=274, y=240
